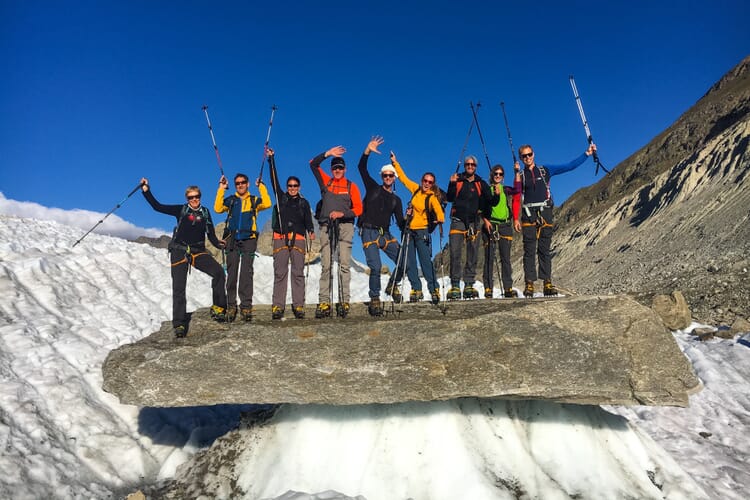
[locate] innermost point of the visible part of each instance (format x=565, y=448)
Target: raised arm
x=173, y=210
x=275, y=185
x=372, y=147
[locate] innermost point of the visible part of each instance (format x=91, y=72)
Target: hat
x=338, y=160
x=388, y=168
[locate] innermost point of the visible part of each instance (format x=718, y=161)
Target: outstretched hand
x=591, y=150
x=372, y=146
x=336, y=151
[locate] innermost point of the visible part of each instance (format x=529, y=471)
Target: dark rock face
x=673, y=216
x=585, y=350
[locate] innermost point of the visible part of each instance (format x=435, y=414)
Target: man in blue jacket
x=536, y=216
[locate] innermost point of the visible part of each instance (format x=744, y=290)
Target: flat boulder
x=582, y=350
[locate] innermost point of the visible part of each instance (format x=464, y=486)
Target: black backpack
x=432, y=218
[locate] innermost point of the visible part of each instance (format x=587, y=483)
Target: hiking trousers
x=283, y=256
x=420, y=245
x=537, y=244
x=344, y=251
x=181, y=264
x=502, y=246
x=462, y=235
x=240, y=269
x=373, y=242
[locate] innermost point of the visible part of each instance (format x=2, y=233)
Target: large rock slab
x=584, y=350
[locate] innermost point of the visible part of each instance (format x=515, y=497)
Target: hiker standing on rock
x=188, y=248
x=498, y=229
x=291, y=221
x=340, y=204
x=469, y=193
x=241, y=235
x=536, y=216
x=425, y=199
x=380, y=204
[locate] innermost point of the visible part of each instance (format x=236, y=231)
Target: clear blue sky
x=96, y=94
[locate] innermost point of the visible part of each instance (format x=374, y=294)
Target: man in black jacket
x=379, y=206
x=469, y=194
x=188, y=248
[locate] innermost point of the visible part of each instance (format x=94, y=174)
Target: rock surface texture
x=583, y=350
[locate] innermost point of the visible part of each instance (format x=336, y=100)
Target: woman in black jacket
x=291, y=222
x=188, y=248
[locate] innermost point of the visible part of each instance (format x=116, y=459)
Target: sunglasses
x=240, y=183
x=469, y=164
x=292, y=185
x=527, y=155
x=194, y=197
x=428, y=181
x=388, y=175
x=498, y=174
x=338, y=167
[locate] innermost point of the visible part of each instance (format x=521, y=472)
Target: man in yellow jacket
x=241, y=235
x=424, y=200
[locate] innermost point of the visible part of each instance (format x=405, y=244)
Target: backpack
x=432, y=219
x=460, y=183
x=319, y=205
x=183, y=212
x=303, y=206
x=544, y=174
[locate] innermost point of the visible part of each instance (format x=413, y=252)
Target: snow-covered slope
x=64, y=308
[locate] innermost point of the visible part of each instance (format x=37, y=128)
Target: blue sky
x=96, y=95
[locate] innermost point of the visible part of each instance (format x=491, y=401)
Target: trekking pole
x=268, y=138
x=479, y=131
x=466, y=143
x=110, y=212
x=213, y=140
x=510, y=139
x=443, y=293
x=586, y=125
x=400, y=268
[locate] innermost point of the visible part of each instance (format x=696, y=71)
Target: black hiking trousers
x=537, y=244
x=503, y=244
x=240, y=258
x=202, y=261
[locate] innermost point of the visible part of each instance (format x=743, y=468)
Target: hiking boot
x=470, y=292
x=510, y=293
x=231, y=313
x=246, y=313
x=395, y=294
x=180, y=331
x=375, y=308
x=528, y=291
x=415, y=296
x=299, y=312
x=218, y=314
x=435, y=297
x=454, y=293
x=323, y=310
x=342, y=309
x=488, y=293
x=277, y=312
x=549, y=289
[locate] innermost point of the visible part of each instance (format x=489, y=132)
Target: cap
x=388, y=168
x=338, y=160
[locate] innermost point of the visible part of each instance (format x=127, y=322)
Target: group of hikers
x=492, y=209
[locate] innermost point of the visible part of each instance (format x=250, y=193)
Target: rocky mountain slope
x=674, y=215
